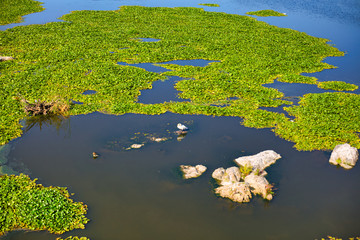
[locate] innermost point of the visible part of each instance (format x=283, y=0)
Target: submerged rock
x=191, y=171
x=4, y=152
x=237, y=192
x=4, y=169
x=259, y=185
x=259, y=161
x=344, y=155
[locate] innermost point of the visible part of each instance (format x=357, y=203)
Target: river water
x=139, y=194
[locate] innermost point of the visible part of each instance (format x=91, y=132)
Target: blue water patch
x=164, y=91
x=193, y=62
x=148, y=39
x=89, y=92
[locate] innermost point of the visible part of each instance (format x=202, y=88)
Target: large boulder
x=237, y=192
x=259, y=161
x=191, y=171
x=344, y=155
x=227, y=176
x=259, y=185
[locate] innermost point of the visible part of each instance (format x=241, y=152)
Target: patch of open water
x=137, y=194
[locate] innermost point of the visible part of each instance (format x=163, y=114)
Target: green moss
x=11, y=11
x=209, y=4
x=266, y=13
x=337, y=86
x=61, y=60
x=27, y=205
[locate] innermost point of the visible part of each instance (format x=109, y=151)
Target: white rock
x=4, y=58
x=259, y=161
x=259, y=185
x=227, y=176
x=344, y=155
x=238, y=192
x=135, y=145
x=191, y=171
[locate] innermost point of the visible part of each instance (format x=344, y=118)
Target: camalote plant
x=73, y=238
x=337, y=85
x=64, y=59
x=209, y=4
x=11, y=11
x=266, y=13
x=27, y=205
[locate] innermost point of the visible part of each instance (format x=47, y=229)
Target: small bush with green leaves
x=11, y=11
x=27, y=205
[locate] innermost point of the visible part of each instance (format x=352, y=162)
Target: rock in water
x=259, y=185
x=191, y=171
x=227, y=177
x=237, y=192
x=259, y=161
x=344, y=155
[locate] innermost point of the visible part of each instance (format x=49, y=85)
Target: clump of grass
x=11, y=11
x=245, y=170
x=266, y=13
x=209, y=4
x=337, y=86
x=27, y=205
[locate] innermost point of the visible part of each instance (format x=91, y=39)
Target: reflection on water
x=138, y=194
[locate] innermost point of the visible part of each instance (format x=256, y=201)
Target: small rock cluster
x=237, y=183
x=191, y=171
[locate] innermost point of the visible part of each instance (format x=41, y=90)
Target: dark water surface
x=138, y=193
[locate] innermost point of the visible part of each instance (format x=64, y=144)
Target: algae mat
x=62, y=60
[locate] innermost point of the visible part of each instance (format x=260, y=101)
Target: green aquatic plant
x=74, y=238
x=27, y=205
x=337, y=86
x=11, y=11
x=323, y=121
x=209, y=4
x=266, y=13
x=64, y=59
x=245, y=170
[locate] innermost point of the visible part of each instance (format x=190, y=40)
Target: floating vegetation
x=73, y=238
x=209, y=4
x=267, y=13
x=337, y=86
x=53, y=60
x=323, y=121
x=11, y=11
x=30, y=206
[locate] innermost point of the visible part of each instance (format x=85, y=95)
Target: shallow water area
x=139, y=193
